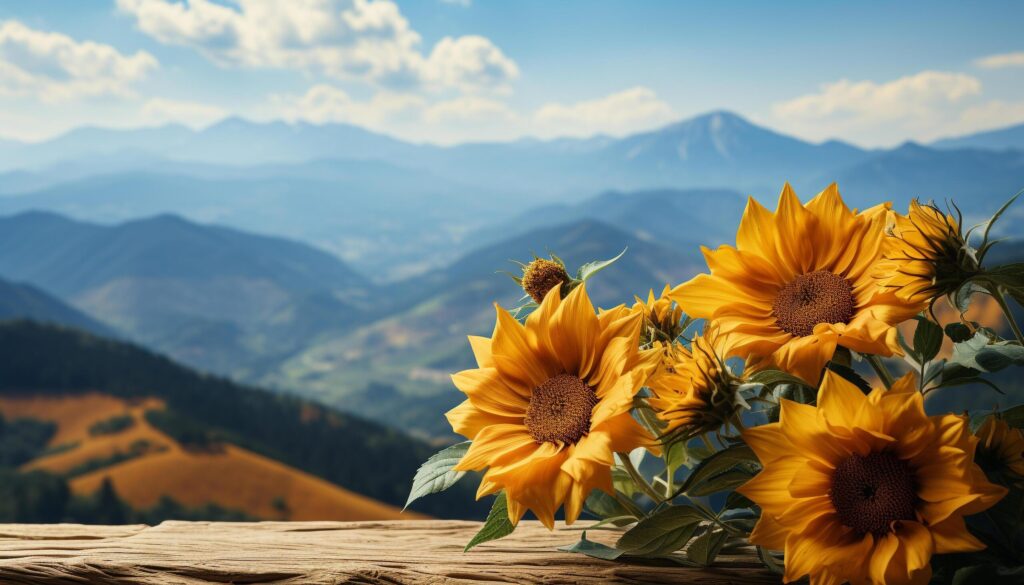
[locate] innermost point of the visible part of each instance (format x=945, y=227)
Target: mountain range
x=395, y=209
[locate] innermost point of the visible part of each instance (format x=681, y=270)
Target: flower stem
x=639, y=480
x=881, y=370
x=997, y=294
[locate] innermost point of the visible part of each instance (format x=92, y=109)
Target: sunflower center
x=869, y=493
x=809, y=299
x=560, y=410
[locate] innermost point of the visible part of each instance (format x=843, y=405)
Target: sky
x=448, y=71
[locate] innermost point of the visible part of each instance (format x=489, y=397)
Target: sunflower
x=925, y=254
x=1001, y=448
x=865, y=488
x=696, y=393
x=663, y=319
x=798, y=284
x=550, y=404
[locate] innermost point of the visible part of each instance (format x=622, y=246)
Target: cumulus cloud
x=922, y=106
x=367, y=40
x=476, y=117
x=54, y=67
x=1001, y=61
x=632, y=110
x=194, y=114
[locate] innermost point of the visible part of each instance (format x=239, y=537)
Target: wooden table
x=327, y=552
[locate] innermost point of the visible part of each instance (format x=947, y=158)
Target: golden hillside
x=229, y=476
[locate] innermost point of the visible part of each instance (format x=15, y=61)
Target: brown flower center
x=541, y=276
x=816, y=297
x=560, y=410
x=870, y=493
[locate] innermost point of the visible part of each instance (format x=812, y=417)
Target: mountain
x=980, y=181
x=1003, y=138
x=381, y=217
x=681, y=218
x=24, y=301
x=215, y=416
x=397, y=368
x=214, y=297
x=230, y=141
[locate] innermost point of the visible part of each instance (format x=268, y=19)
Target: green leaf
x=437, y=473
x=663, y=532
x=730, y=479
x=958, y=332
x=999, y=356
x=965, y=351
x=927, y=339
x=591, y=268
x=957, y=375
x=770, y=562
x=497, y=524
x=736, y=500
x=718, y=463
x=962, y=298
x=773, y=377
x=605, y=506
x=592, y=549
x=706, y=547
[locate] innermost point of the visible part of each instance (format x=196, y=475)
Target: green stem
x=628, y=505
x=639, y=480
x=997, y=294
x=881, y=370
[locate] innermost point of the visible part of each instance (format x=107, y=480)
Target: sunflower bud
x=925, y=255
x=663, y=319
x=540, y=276
x=1001, y=450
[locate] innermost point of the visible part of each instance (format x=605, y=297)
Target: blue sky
x=874, y=73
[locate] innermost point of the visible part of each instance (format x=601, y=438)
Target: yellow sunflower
x=696, y=392
x=865, y=489
x=550, y=404
x=1001, y=447
x=799, y=283
x=663, y=319
x=924, y=254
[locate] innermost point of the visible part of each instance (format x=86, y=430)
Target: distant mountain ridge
x=24, y=301
x=209, y=295
x=1011, y=137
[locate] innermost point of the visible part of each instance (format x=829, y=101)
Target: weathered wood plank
x=193, y=553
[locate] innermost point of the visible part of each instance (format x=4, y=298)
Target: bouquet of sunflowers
x=779, y=401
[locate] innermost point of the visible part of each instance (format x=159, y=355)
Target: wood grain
x=427, y=552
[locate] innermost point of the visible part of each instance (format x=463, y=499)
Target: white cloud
x=475, y=117
x=628, y=111
x=54, y=67
x=194, y=114
x=367, y=40
x=923, y=106
x=462, y=3
x=1001, y=61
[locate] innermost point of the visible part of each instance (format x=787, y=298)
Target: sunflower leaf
x=770, y=562
x=729, y=479
x=773, y=377
x=437, y=473
x=718, y=463
x=591, y=268
x=927, y=339
x=605, y=506
x=706, y=547
x=663, y=532
x=497, y=524
x=958, y=332
x=592, y=549
x=995, y=357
